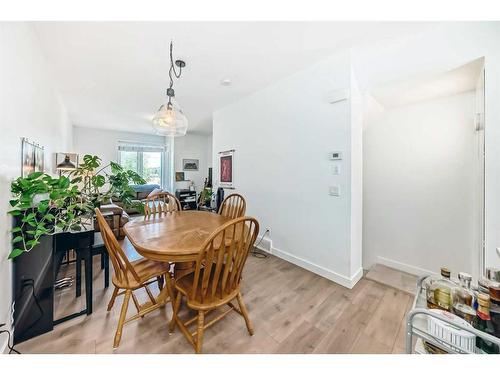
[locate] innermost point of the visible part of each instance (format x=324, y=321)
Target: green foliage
x=66, y=202
x=58, y=206
x=99, y=184
x=207, y=194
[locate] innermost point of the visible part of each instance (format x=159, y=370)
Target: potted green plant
x=44, y=205
x=99, y=184
x=207, y=196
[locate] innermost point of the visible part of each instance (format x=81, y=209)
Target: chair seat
x=146, y=269
x=185, y=286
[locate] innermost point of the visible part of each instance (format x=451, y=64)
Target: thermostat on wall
x=335, y=155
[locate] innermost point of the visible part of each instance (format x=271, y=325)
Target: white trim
x=413, y=270
x=4, y=337
x=347, y=282
x=3, y=345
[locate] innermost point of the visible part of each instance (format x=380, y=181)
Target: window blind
x=140, y=147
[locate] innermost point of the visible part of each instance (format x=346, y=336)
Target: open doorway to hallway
x=423, y=170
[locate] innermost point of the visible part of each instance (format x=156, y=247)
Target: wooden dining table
x=175, y=237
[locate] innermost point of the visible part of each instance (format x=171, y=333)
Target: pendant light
x=170, y=121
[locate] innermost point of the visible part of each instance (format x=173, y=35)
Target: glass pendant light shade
x=170, y=121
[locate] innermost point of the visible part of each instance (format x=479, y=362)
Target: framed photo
x=66, y=161
x=226, y=169
x=179, y=176
x=190, y=164
x=39, y=160
x=32, y=158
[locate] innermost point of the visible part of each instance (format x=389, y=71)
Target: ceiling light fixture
x=225, y=82
x=170, y=121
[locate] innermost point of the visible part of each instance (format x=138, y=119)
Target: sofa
x=141, y=193
x=117, y=216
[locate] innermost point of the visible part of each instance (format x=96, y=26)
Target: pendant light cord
x=170, y=71
x=172, y=67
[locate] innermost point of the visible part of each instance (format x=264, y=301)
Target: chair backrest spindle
x=233, y=206
x=161, y=204
x=119, y=260
x=222, y=257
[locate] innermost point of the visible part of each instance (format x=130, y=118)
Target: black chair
x=97, y=249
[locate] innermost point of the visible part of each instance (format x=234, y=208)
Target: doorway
x=423, y=168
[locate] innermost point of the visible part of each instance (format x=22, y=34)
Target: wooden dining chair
x=233, y=206
x=161, y=204
x=131, y=276
x=216, y=279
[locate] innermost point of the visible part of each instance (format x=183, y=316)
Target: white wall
x=210, y=140
x=104, y=143
x=437, y=51
x=29, y=107
x=282, y=136
x=192, y=146
x=419, y=186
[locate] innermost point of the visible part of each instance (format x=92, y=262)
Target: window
x=147, y=160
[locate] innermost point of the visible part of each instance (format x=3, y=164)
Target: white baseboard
x=266, y=244
x=417, y=271
x=4, y=337
x=3, y=343
x=345, y=281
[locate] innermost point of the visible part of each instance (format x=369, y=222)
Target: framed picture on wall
x=66, y=161
x=39, y=159
x=226, y=169
x=190, y=164
x=32, y=157
x=179, y=176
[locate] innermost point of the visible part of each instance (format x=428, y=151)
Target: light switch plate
x=335, y=191
x=335, y=155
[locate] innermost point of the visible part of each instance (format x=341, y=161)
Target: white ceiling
x=429, y=86
x=113, y=75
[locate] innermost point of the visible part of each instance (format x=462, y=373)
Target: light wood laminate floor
x=293, y=311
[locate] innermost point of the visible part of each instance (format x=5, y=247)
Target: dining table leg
x=182, y=269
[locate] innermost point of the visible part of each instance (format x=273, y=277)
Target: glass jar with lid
x=439, y=291
x=463, y=298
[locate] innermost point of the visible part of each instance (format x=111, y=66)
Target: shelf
x=416, y=326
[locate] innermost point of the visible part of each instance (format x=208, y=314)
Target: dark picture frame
x=32, y=157
x=190, y=164
x=226, y=169
x=179, y=176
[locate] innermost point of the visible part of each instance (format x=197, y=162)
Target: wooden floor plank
x=292, y=310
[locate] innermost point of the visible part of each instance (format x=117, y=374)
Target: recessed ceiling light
x=226, y=82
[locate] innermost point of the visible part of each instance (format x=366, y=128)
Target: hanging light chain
x=170, y=121
x=170, y=91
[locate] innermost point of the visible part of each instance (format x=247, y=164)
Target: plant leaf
x=34, y=175
x=15, y=253
x=17, y=239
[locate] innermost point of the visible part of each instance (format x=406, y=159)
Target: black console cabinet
x=187, y=199
x=34, y=274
